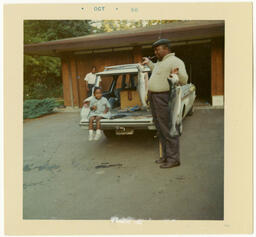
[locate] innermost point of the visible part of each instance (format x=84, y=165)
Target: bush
x=41, y=91
x=60, y=102
x=36, y=108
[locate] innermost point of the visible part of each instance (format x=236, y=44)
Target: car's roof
x=123, y=69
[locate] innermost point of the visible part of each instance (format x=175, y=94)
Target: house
x=200, y=44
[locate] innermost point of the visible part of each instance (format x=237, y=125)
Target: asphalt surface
x=67, y=177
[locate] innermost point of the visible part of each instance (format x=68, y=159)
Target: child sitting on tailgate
x=99, y=108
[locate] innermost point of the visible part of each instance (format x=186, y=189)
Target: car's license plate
x=125, y=131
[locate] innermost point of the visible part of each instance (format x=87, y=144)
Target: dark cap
x=161, y=42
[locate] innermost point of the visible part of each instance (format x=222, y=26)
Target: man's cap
x=161, y=42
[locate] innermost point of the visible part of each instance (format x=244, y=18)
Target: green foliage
x=60, y=102
x=36, y=108
x=40, y=91
x=42, y=74
x=36, y=31
x=114, y=25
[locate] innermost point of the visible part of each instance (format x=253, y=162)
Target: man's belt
x=161, y=92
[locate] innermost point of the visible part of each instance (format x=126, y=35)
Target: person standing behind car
x=90, y=80
x=167, y=66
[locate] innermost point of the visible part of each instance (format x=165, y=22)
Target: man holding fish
x=168, y=71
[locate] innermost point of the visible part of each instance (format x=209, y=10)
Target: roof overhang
x=176, y=31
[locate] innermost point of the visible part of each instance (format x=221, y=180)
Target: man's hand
x=145, y=60
x=174, y=71
x=174, y=75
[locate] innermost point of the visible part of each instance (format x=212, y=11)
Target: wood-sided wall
x=75, y=68
x=217, y=67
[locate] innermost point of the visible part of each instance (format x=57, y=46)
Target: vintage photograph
x=123, y=119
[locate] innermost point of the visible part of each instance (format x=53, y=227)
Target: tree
x=116, y=25
x=36, y=31
x=42, y=74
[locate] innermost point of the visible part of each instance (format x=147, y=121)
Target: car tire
x=191, y=111
x=109, y=133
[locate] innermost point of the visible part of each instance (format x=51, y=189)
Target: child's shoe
x=98, y=135
x=90, y=135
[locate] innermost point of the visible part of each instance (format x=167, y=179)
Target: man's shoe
x=160, y=160
x=170, y=164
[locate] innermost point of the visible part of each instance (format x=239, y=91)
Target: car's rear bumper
x=147, y=125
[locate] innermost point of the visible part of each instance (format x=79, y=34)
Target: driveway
x=68, y=177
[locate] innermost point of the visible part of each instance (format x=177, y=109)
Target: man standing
x=167, y=66
x=90, y=80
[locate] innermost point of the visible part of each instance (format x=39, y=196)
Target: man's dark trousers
x=159, y=109
x=90, y=86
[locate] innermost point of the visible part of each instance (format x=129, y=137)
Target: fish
x=142, y=87
x=174, y=109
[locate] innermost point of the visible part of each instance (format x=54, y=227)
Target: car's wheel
x=109, y=133
x=191, y=111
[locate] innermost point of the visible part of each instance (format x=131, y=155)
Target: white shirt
x=90, y=78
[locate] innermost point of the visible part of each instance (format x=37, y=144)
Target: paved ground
x=61, y=180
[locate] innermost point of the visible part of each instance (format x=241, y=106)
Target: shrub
x=60, y=102
x=36, y=108
x=42, y=91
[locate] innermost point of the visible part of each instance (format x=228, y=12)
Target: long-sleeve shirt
x=161, y=71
